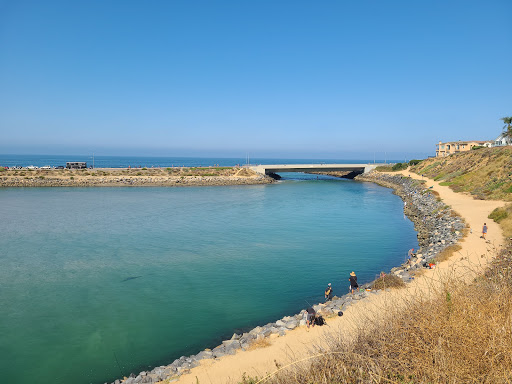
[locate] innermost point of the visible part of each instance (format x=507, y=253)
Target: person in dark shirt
x=353, y=281
x=311, y=317
x=328, y=292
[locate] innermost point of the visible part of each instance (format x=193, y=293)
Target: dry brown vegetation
x=446, y=253
x=388, y=281
x=461, y=334
x=486, y=173
x=261, y=343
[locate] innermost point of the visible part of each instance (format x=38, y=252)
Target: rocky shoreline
x=437, y=226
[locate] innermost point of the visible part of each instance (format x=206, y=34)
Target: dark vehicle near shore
x=59, y=167
x=76, y=165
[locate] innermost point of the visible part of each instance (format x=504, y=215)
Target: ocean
x=100, y=282
x=148, y=162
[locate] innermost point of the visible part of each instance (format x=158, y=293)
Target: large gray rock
x=204, y=355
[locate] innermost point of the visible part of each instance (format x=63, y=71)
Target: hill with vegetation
x=485, y=173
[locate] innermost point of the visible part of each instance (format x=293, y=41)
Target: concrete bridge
x=351, y=169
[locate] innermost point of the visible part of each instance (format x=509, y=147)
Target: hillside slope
x=485, y=173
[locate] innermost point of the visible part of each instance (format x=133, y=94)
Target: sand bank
x=301, y=343
x=134, y=177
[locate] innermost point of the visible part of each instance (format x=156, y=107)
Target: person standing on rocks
x=310, y=320
x=484, y=231
x=353, y=281
x=328, y=293
x=410, y=254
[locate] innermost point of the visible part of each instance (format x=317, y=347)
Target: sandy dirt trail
x=300, y=343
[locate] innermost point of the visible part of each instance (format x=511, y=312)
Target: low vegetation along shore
x=136, y=177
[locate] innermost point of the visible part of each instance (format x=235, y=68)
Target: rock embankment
x=437, y=228
x=437, y=225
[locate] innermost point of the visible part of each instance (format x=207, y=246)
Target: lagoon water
x=96, y=283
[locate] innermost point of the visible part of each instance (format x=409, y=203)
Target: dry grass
x=462, y=334
x=261, y=343
x=388, y=281
x=446, y=253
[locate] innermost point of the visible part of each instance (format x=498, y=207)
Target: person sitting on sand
x=310, y=320
x=353, y=281
x=328, y=292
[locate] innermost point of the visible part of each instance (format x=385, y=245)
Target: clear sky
x=303, y=79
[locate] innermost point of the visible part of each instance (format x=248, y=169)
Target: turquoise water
x=146, y=275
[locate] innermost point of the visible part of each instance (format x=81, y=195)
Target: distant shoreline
x=131, y=177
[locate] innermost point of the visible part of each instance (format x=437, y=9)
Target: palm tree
x=507, y=127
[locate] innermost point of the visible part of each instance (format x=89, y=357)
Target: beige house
x=451, y=147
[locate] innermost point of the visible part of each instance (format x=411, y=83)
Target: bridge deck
x=276, y=168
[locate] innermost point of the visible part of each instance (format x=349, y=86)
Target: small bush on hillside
x=498, y=214
x=399, y=166
x=383, y=168
x=415, y=162
x=388, y=281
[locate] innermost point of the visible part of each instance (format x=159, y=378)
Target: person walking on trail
x=353, y=281
x=310, y=320
x=328, y=293
x=484, y=231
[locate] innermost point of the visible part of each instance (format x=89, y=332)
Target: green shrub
x=498, y=214
x=399, y=166
x=415, y=162
x=383, y=168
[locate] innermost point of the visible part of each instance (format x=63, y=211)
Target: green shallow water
x=146, y=275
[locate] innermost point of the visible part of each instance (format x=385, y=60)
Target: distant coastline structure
x=76, y=165
x=502, y=140
x=451, y=147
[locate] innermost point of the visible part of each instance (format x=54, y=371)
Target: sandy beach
x=299, y=344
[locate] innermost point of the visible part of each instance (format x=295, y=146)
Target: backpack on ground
x=319, y=320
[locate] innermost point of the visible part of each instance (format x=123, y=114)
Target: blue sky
x=328, y=79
